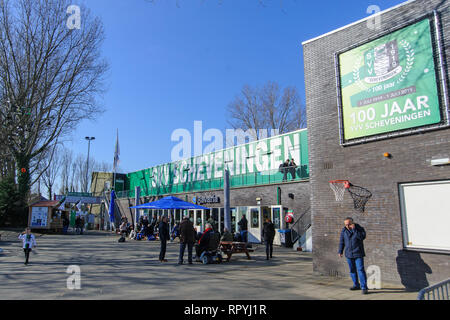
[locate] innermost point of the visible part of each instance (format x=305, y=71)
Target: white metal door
x=254, y=224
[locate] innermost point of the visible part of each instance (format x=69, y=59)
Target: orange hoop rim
x=345, y=182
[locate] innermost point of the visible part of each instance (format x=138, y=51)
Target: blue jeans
x=190, y=245
x=244, y=234
x=356, y=266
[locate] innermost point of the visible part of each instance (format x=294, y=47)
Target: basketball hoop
x=339, y=186
x=360, y=197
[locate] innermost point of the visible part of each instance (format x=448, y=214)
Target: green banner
x=252, y=163
x=389, y=84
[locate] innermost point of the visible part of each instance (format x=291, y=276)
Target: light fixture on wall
x=387, y=155
x=291, y=195
x=258, y=201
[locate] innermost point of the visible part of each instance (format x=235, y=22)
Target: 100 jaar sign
x=389, y=84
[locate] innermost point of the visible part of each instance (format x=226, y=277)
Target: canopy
x=168, y=203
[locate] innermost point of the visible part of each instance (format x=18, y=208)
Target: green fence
x=244, y=180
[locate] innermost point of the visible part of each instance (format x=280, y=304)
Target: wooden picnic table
x=229, y=248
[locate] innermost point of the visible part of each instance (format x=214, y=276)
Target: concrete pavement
x=131, y=270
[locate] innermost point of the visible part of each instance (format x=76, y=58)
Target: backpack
x=121, y=239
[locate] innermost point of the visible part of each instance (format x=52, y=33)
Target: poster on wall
x=39, y=216
x=389, y=84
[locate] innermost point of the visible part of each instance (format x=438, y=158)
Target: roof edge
x=359, y=21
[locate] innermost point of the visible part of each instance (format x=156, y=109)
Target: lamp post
x=89, y=139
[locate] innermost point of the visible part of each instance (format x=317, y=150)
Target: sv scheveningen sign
x=389, y=84
x=262, y=157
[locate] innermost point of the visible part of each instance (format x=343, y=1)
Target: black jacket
x=352, y=241
x=204, y=238
x=164, y=233
x=187, y=231
x=243, y=224
x=268, y=232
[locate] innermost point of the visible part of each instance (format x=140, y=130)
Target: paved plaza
x=131, y=270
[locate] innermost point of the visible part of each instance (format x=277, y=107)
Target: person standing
x=243, y=228
x=352, y=237
x=268, y=234
x=293, y=168
x=164, y=236
x=77, y=225
x=82, y=224
x=187, y=238
x=66, y=223
x=284, y=169
x=29, y=242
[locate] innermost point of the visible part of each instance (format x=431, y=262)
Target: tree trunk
x=23, y=177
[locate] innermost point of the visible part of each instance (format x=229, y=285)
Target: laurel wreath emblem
x=357, y=76
x=410, y=59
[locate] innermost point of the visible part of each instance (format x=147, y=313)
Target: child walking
x=29, y=242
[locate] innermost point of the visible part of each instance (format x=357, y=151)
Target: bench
x=229, y=248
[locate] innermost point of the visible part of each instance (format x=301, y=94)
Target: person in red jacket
x=203, y=242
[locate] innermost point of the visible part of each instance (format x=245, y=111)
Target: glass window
x=215, y=219
x=265, y=213
x=276, y=217
x=254, y=213
x=233, y=219
x=198, y=221
x=191, y=215
x=222, y=219
x=241, y=211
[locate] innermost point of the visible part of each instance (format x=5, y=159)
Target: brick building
x=408, y=246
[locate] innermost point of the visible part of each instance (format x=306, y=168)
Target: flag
x=116, y=152
x=77, y=205
x=111, y=206
x=61, y=203
x=62, y=206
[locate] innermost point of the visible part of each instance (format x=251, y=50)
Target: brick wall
x=365, y=166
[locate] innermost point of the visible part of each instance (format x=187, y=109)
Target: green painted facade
x=251, y=164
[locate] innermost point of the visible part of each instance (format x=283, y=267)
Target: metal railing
x=241, y=180
x=300, y=226
x=439, y=291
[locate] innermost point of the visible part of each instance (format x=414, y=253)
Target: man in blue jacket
x=352, y=237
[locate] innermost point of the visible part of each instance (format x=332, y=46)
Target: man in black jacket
x=187, y=237
x=164, y=236
x=268, y=234
x=352, y=237
x=243, y=228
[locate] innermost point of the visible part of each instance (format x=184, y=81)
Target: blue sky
x=173, y=64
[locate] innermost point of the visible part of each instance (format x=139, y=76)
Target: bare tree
x=83, y=175
x=66, y=168
x=103, y=167
x=52, y=163
x=50, y=77
x=267, y=108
